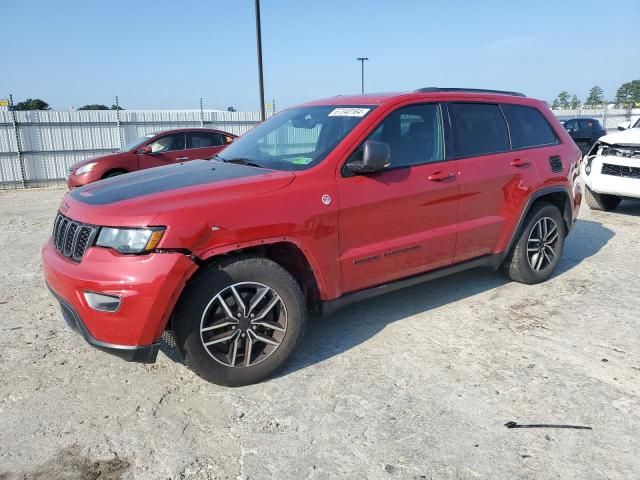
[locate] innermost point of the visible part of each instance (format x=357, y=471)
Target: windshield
x=295, y=139
x=637, y=124
x=137, y=143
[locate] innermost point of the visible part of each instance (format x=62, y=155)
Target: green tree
x=562, y=100
x=116, y=107
x=32, y=104
x=628, y=95
x=595, y=98
x=94, y=106
x=574, y=103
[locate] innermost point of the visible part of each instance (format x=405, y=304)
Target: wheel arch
x=114, y=170
x=558, y=196
x=287, y=254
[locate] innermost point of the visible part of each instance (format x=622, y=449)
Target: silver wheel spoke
x=247, y=351
x=552, y=239
x=550, y=232
x=266, y=340
x=550, y=250
x=225, y=307
x=257, y=299
x=220, y=324
x=239, y=301
x=234, y=349
x=271, y=325
x=268, y=308
x=223, y=337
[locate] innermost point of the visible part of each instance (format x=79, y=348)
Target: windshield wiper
x=240, y=161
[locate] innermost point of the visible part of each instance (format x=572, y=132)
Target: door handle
x=520, y=162
x=440, y=176
x=182, y=158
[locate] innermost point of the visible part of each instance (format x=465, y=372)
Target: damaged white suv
x=611, y=169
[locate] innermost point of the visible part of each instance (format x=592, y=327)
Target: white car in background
x=611, y=169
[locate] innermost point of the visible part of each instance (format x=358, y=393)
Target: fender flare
x=220, y=250
x=567, y=214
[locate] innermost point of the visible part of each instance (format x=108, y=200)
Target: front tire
x=539, y=246
x=601, y=201
x=239, y=321
x=114, y=173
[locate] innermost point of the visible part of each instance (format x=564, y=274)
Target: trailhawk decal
x=161, y=179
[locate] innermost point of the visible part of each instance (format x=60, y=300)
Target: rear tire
x=221, y=316
x=539, y=246
x=601, y=201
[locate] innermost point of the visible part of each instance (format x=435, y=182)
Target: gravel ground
x=415, y=384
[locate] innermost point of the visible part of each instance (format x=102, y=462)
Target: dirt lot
x=415, y=384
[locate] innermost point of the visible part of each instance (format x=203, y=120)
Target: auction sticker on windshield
x=349, y=112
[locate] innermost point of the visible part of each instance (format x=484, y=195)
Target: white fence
x=38, y=147
x=609, y=118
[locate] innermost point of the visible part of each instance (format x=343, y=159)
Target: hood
x=136, y=198
x=79, y=164
x=625, y=137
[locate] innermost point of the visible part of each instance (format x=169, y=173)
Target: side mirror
x=624, y=126
x=375, y=157
x=146, y=149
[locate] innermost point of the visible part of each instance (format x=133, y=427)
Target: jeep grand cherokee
x=323, y=204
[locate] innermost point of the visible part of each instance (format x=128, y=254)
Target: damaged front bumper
x=613, y=170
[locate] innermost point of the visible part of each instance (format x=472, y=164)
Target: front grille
x=620, y=170
x=72, y=238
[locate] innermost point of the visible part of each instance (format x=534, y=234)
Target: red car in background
x=153, y=150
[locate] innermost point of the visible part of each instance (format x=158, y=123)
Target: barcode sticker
x=349, y=112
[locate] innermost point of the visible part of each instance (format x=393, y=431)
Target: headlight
x=130, y=240
x=85, y=168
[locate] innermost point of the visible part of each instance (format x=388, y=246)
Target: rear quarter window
x=528, y=127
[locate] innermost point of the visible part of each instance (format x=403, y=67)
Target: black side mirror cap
x=375, y=158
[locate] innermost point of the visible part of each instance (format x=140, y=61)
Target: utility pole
x=259, y=45
x=362, y=60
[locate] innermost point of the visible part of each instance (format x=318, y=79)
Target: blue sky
x=167, y=54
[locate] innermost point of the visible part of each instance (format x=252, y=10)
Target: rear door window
x=205, y=140
x=481, y=128
x=586, y=124
x=528, y=127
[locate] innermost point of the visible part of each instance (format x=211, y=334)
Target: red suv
x=323, y=204
x=153, y=150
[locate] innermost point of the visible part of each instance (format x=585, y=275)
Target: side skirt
x=491, y=261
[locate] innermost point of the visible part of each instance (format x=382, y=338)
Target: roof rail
x=468, y=90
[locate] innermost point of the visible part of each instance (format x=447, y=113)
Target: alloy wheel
x=243, y=324
x=542, y=243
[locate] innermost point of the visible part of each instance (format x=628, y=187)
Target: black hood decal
x=161, y=179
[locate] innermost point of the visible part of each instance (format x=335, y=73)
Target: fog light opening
x=102, y=302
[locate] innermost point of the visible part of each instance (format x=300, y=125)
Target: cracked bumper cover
x=149, y=286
